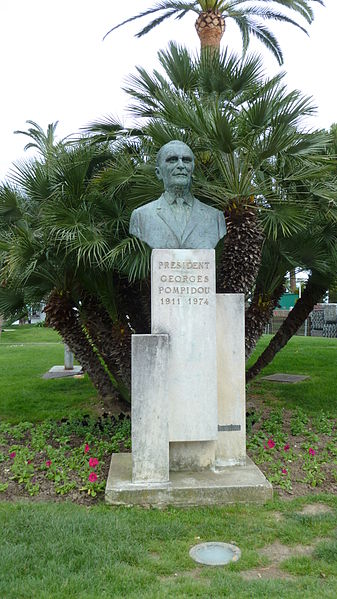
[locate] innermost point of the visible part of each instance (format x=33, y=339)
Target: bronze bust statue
x=177, y=219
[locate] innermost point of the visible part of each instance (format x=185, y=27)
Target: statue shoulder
x=210, y=209
x=147, y=208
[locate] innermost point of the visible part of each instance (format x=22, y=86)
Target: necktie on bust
x=181, y=210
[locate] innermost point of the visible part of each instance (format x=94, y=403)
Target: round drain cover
x=215, y=554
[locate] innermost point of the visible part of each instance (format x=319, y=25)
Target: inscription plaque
x=183, y=304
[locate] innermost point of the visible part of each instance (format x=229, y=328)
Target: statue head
x=175, y=166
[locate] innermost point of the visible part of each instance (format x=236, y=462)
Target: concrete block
x=68, y=358
x=59, y=372
x=184, y=307
x=149, y=411
x=192, y=455
x=281, y=377
x=231, y=443
x=234, y=484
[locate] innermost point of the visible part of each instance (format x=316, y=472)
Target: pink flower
x=271, y=443
x=87, y=448
x=284, y=471
x=286, y=447
x=12, y=455
x=92, y=477
x=93, y=462
x=48, y=463
x=311, y=451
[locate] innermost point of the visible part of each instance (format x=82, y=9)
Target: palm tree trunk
x=136, y=302
x=292, y=276
x=259, y=314
x=113, y=341
x=210, y=27
x=60, y=315
x=333, y=293
x=312, y=294
x=241, y=257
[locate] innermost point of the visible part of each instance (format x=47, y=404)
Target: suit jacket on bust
x=155, y=224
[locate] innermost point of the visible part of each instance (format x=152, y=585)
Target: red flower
x=12, y=455
x=93, y=462
x=311, y=451
x=92, y=477
x=48, y=463
x=29, y=461
x=284, y=471
x=286, y=447
x=271, y=443
x=87, y=448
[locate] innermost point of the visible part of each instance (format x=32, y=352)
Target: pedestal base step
x=59, y=372
x=234, y=484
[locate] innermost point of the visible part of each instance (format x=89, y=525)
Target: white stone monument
x=188, y=376
x=67, y=369
x=183, y=306
x=188, y=394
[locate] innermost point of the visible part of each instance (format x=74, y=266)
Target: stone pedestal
x=183, y=305
x=68, y=358
x=192, y=455
x=188, y=395
x=231, y=442
x=149, y=413
x=235, y=484
x=58, y=372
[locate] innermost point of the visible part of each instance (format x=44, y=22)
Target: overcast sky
x=55, y=66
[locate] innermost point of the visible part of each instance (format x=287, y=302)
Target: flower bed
x=71, y=458
x=56, y=459
x=297, y=454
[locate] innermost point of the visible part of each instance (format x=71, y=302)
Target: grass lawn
x=64, y=551
x=26, y=353
x=313, y=356
x=58, y=549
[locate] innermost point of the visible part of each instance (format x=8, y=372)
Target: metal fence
x=279, y=317
x=322, y=322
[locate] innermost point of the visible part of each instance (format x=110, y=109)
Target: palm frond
x=12, y=302
x=32, y=178
x=284, y=220
x=170, y=7
x=178, y=67
x=10, y=205
x=249, y=26
x=131, y=257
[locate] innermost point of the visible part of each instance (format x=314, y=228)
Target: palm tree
x=67, y=243
x=242, y=128
x=212, y=15
x=279, y=256
x=252, y=155
x=32, y=270
x=267, y=290
x=44, y=142
x=316, y=249
x=286, y=248
x=313, y=293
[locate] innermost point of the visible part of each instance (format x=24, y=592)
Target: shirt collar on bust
x=171, y=197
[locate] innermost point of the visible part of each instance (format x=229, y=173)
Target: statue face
x=176, y=166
